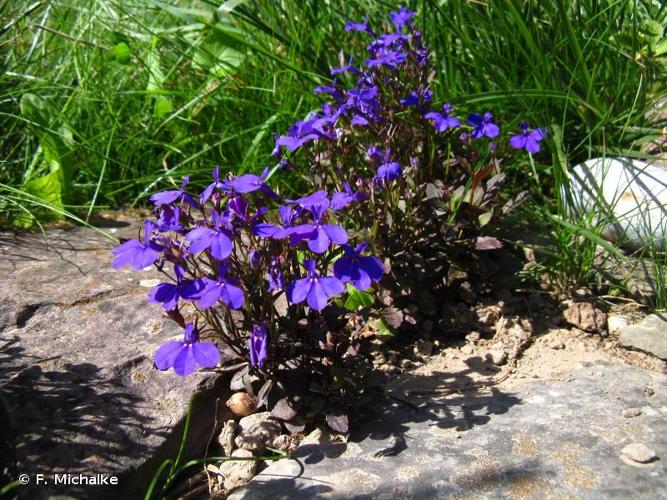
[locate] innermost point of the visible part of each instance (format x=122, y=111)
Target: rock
x=650, y=335
x=287, y=442
x=423, y=348
x=467, y=349
x=473, y=337
x=238, y=472
x=585, y=316
x=263, y=423
x=242, y=404
x=487, y=316
x=251, y=441
x=638, y=452
x=616, y=323
x=406, y=364
x=516, y=442
x=77, y=340
x=630, y=191
x=227, y=436
x=496, y=357
x=631, y=412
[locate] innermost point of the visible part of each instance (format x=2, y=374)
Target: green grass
x=105, y=101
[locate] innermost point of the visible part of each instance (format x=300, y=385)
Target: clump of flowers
x=265, y=278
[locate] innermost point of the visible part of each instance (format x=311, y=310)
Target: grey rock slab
x=77, y=382
x=649, y=335
x=544, y=439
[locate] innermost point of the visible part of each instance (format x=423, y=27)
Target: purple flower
x=186, y=355
x=528, y=139
x=167, y=197
x=221, y=289
x=388, y=170
x=391, y=58
x=135, y=253
x=169, y=218
x=483, y=126
x=216, y=184
x=287, y=217
x=298, y=134
x=341, y=199
x=444, y=120
x=318, y=234
x=313, y=199
x=314, y=288
x=258, y=343
x=354, y=26
x=413, y=98
x=254, y=259
x=275, y=276
x=247, y=183
x=401, y=18
x=217, y=239
x=168, y=294
x=331, y=90
x=361, y=271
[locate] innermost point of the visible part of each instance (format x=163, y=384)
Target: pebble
x=638, y=452
x=631, y=412
x=238, y=472
x=496, y=357
x=466, y=349
x=251, y=441
x=227, y=436
x=616, y=323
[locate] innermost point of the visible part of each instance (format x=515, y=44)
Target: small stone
x=650, y=335
x=557, y=345
x=229, y=432
x=423, y=348
x=616, y=323
x=287, y=442
x=638, y=452
x=585, y=316
x=251, y=441
x=238, y=472
x=263, y=423
x=466, y=349
x=631, y=412
x=488, y=316
x=496, y=357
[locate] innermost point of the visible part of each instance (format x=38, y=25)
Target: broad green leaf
x=381, y=328
x=217, y=54
x=163, y=106
x=120, y=53
x=49, y=189
x=357, y=299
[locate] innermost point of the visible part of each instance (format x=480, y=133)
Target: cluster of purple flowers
x=238, y=246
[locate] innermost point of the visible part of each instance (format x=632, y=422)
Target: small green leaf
x=357, y=299
x=163, y=106
x=120, y=53
x=381, y=328
x=48, y=188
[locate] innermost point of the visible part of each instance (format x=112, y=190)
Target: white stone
x=616, y=323
x=632, y=192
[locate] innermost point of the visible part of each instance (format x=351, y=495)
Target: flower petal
x=319, y=241
x=298, y=290
x=185, y=364
x=206, y=354
x=166, y=355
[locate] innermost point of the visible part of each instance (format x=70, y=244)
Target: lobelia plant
x=261, y=276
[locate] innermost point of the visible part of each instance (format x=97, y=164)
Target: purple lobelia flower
x=248, y=183
x=354, y=26
x=216, y=184
x=167, y=197
x=287, y=217
x=297, y=135
x=332, y=90
x=415, y=99
x=528, y=139
x=136, y=253
x=401, y=18
x=258, y=343
x=483, y=126
x=254, y=259
x=314, y=288
x=169, y=218
x=388, y=170
x=318, y=234
x=275, y=276
x=443, y=120
x=361, y=271
x=222, y=289
x=217, y=239
x=168, y=294
x=391, y=58
x=341, y=199
x=186, y=355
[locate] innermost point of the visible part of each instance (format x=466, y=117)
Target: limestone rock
x=228, y=435
x=238, y=472
x=638, y=452
x=585, y=316
x=650, y=335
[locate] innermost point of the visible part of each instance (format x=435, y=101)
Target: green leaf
x=163, y=106
x=120, y=53
x=357, y=299
x=49, y=189
x=381, y=328
x=217, y=54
